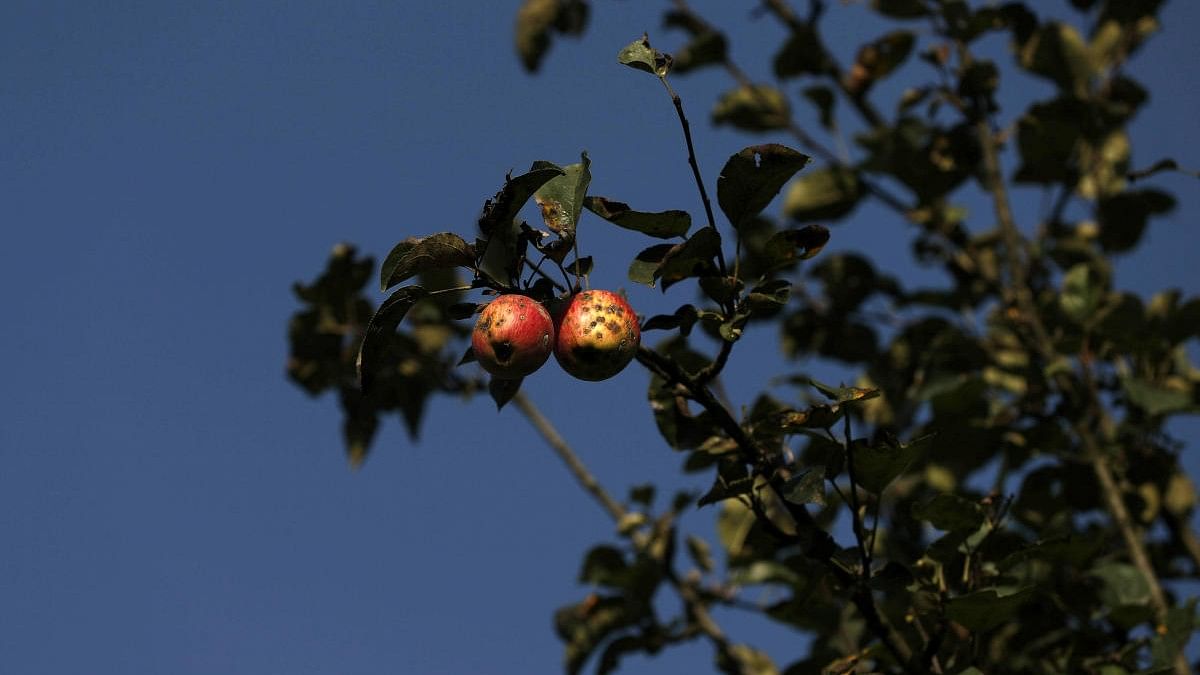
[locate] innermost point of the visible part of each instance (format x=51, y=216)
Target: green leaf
x=640, y=55
x=802, y=54
x=503, y=390
x=986, y=609
x=561, y=198
x=1157, y=400
x=950, y=513
x=824, y=99
x=500, y=210
x=742, y=659
x=825, y=194
x=1080, y=294
x=1123, y=217
x=732, y=480
x=878, y=465
x=705, y=49
x=788, y=246
x=752, y=177
x=379, y=330
x=806, y=487
x=644, y=268
x=535, y=18
x=844, y=394
x=1057, y=52
x=663, y=224
x=581, y=267
x=604, y=566
x=423, y=254
x=1123, y=585
x=876, y=60
x=463, y=310
x=692, y=258
x=759, y=107
x=769, y=295
x=1180, y=624
x=684, y=318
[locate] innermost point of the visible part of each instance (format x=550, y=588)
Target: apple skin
x=513, y=336
x=597, y=335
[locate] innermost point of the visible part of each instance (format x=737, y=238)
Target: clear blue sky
x=168, y=502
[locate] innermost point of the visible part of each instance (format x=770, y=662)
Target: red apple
x=598, y=335
x=513, y=336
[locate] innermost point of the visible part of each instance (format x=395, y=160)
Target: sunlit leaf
x=641, y=56
x=824, y=194
x=757, y=107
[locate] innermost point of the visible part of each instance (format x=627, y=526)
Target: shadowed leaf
x=503, y=390
x=389, y=315
x=663, y=224
x=414, y=256
x=752, y=177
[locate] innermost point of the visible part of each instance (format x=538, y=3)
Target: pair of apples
x=593, y=334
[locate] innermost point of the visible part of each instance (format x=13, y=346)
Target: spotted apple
x=597, y=335
x=513, y=336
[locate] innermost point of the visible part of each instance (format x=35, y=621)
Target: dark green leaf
x=1057, y=51
x=379, y=329
x=1180, y=624
x=704, y=49
x=757, y=107
x=788, y=246
x=462, y=310
x=1081, y=293
x=581, y=267
x=825, y=194
x=878, y=59
x=561, y=198
x=949, y=513
x=640, y=55
x=500, y=210
x=802, y=54
x=503, y=390
x=752, y=177
x=806, y=487
x=1155, y=399
x=467, y=357
x=823, y=98
x=986, y=609
x=1123, y=584
x=414, y=256
x=692, y=258
x=1123, y=217
x=721, y=289
x=769, y=295
x=663, y=224
x=604, y=566
x=844, y=394
x=644, y=268
x=732, y=480
x=683, y=319
x=878, y=465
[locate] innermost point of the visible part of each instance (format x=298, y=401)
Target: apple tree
x=1029, y=367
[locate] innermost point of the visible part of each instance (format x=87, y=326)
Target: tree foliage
x=1031, y=371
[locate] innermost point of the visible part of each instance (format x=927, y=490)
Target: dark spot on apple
x=504, y=351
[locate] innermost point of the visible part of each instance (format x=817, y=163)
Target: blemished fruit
x=513, y=336
x=597, y=335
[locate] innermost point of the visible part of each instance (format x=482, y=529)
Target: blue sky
x=168, y=502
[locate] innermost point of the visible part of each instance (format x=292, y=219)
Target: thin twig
x=687, y=137
x=568, y=456
x=693, y=603
x=856, y=516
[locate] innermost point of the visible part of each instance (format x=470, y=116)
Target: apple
x=513, y=336
x=597, y=335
